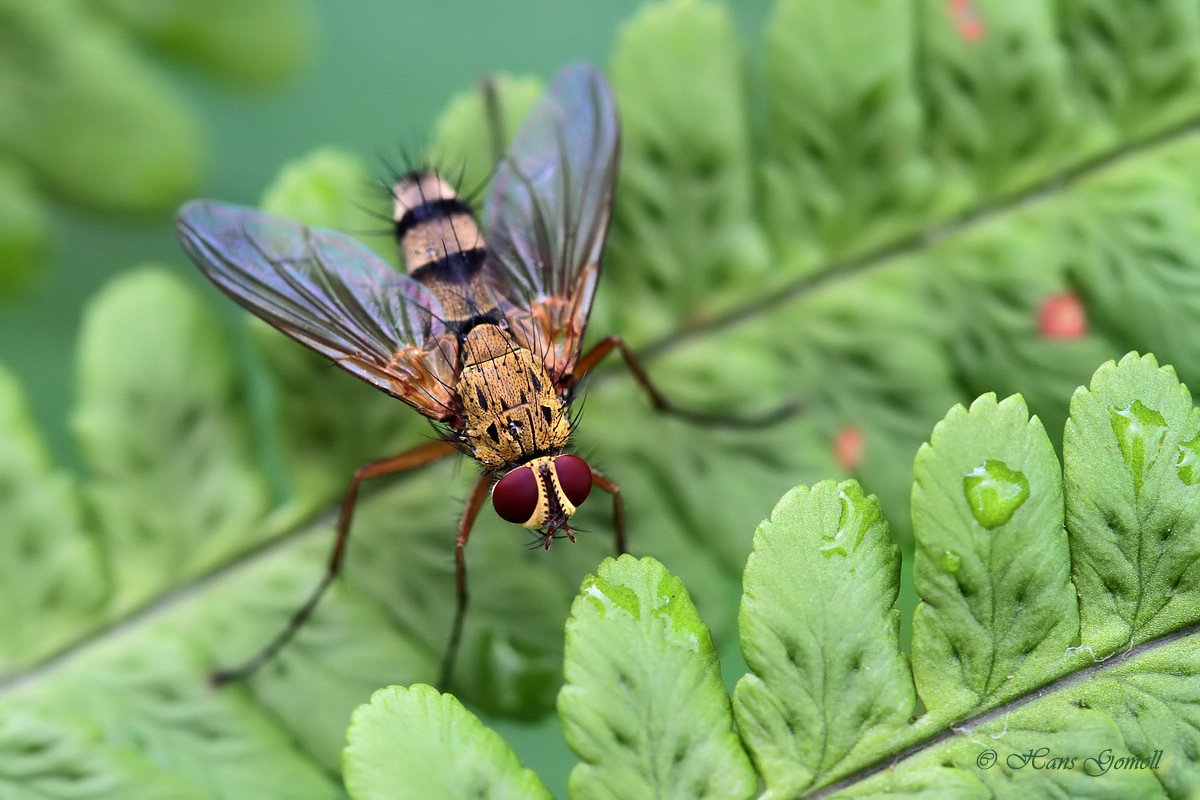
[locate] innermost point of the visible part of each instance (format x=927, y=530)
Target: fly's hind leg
x=418, y=456
x=606, y=346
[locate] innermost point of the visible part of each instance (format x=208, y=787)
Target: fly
x=482, y=333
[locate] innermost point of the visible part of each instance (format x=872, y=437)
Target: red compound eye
x=575, y=478
x=515, y=497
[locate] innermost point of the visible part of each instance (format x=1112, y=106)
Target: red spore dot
x=848, y=446
x=1062, y=316
x=967, y=20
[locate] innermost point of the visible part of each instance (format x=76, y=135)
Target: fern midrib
x=878, y=257
x=318, y=523
x=948, y=730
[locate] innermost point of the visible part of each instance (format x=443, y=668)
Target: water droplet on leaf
x=951, y=561
x=995, y=492
x=1188, y=463
x=1140, y=431
x=858, y=514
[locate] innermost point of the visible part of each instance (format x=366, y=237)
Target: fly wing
x=547, y=215
x=331, y=293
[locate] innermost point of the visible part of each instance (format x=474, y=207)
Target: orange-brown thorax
x=513, y=412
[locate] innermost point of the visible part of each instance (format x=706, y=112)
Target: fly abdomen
x=454, y=270
x=431, y=223
x=442, y=246
x=412, y=217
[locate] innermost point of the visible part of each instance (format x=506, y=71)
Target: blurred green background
x=377, y=75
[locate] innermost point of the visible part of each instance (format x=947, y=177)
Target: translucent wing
x=547, y=214
x=331, y=293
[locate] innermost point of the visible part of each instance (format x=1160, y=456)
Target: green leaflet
x=821, y=637
x=992, y=564
x=416, y=742
x=1128, y=448
x=642, y=704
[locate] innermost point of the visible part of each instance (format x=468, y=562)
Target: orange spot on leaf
x=1062, y=316
x=967, y=20
x=848, y=446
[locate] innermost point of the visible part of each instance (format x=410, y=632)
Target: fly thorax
x=511, y=408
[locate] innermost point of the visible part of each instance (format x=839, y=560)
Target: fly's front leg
x=474, y=503
x=606, y=346
x=610, y=486
x=418, y=456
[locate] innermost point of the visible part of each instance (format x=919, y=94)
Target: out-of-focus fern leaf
x=463, y=139
x=64, y=74
x=1133, y=65
x=685, y=218
x=160, y=420
x=52, y=581
x=844, y=167
x=23, y=226
x=146, y=695
x=994, y=81
x=250, y=42
x=42, y=757
x=85, y=117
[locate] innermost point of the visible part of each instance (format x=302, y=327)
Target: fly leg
x=474, y=503
x=610, y=486
x=606, y=346
x=410, y=459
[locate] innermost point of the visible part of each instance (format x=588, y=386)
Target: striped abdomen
x=442, y=246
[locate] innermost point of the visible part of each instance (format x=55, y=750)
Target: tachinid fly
x=483, y=332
